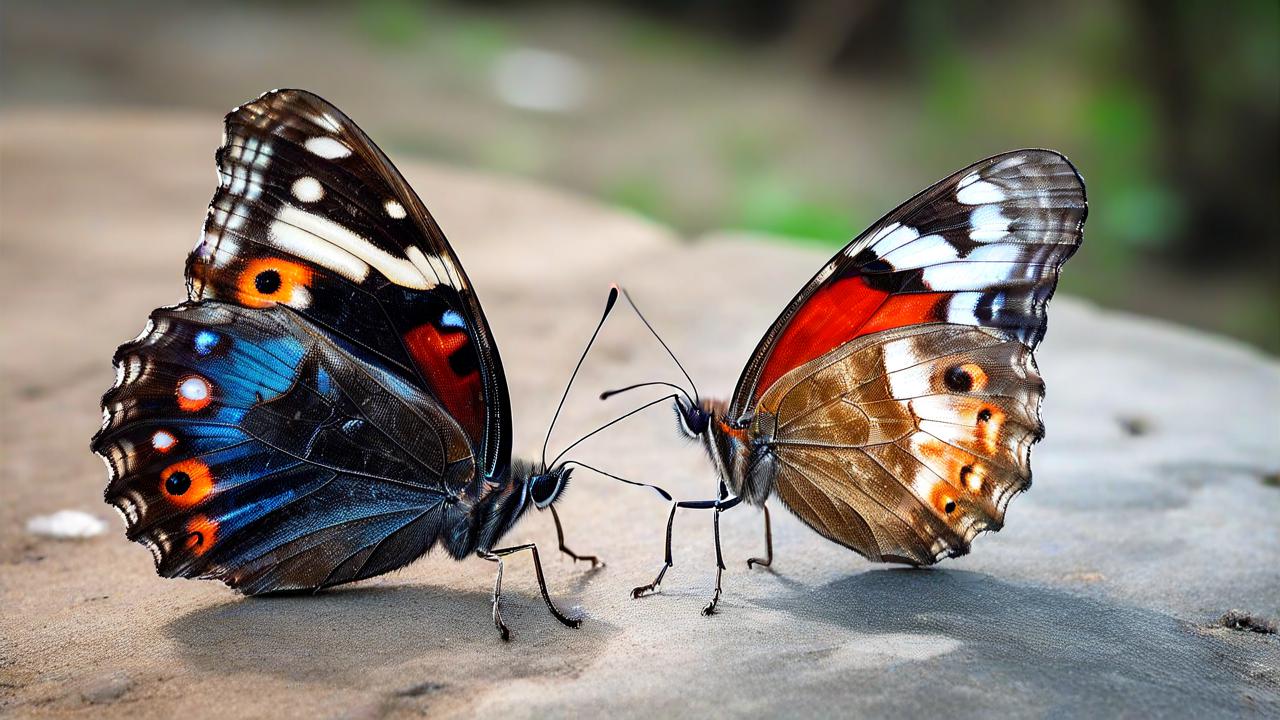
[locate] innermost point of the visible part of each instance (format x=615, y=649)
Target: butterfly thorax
x=740, y=459
x=500, y=505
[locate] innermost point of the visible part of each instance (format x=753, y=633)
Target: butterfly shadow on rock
x=345, y=635
x=1036, y=647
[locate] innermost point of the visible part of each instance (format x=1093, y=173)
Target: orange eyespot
x=266, y=281
x=965, y=378
x=941, y=497
x=202, y=531
x=990, y=421
x=186, y=482
x=977, y=373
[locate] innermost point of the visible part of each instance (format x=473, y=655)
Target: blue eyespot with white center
x=206, y=341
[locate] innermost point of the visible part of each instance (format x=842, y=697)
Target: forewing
x=244, y=445
x=309, y=213
x=905, y=444
x=982, y=247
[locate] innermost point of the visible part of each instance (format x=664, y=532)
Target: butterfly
x=893, y=404
x=328, y=404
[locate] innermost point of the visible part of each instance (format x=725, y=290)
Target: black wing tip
x=278, y=98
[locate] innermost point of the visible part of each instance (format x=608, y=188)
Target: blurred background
x=806, y=120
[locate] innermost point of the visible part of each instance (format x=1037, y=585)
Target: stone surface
x=1151, y=514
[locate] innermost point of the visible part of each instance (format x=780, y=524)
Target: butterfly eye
x=267, y=281
x=544, y=489
x=692, y=420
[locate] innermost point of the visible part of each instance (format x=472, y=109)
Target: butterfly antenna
x=610, y=393
x=658, y=337
x=609, y=424
x=665, y=495
x=608, y=307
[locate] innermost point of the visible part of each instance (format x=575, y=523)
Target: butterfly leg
x=595, y=561
x=710, y=607
x=496, y=556
x=721, y=505
x=667, y=563
x=767, y=560
x=724, y=503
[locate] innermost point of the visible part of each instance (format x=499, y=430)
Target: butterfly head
x=692, y=419
x=545, y=488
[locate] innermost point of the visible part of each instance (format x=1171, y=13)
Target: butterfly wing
x=982, y=247
x=246, y=445
x=896, y=395
x=309, y=213
x=905, y=444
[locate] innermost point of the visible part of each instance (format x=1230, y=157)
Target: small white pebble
x=66, y=525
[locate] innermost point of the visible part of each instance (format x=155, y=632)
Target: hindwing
x=245, y=445
x=906, y=444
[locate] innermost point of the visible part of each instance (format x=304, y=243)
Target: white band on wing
x=325, y=242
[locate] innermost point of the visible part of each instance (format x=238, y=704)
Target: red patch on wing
x=838, y=313
x=461, y=395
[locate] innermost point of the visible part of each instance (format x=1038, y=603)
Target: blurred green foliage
x=802, y=120
x=1169, y=109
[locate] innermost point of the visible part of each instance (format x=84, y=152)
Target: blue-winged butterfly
x=328, y=404
x=893, y=404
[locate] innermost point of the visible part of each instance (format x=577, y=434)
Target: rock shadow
x=345, y=635
x=1033, y=650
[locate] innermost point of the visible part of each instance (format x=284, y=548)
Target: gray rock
x=1154, y=509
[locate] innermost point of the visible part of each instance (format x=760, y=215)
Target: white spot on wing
x=920, y=252
x=194, y=388
x=980, y=192
x=894, y=238
x=326, y=147
x=987, y=223
x=394, y=209
x=307, y=189
x=897, y=355
x=998, y=252
x=974, y=275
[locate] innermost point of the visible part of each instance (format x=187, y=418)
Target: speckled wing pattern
x=896, y=399
x=328, y=404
